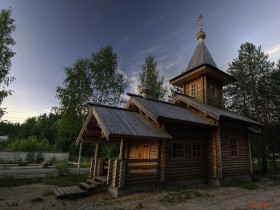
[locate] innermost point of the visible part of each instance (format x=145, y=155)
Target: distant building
x=3, y=138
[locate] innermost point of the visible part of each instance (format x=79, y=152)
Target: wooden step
x=68, y=191
x=87, y=187
x=101, y=179
x=93, y=182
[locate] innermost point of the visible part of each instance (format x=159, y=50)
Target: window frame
x=173, y=153
x=193, y=89
x=234, y=147
x=186, y=155
x=200, y=150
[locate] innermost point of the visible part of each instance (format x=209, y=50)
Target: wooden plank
x=67, y=191
x=78, y=190
x=56, y=192
x=60, y=191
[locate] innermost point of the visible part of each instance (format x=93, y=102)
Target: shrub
x=40, y=157
x=62, y=169
x=30, y=157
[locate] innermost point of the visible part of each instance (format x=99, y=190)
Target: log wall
x=189, y=167
x=217, y=98
x=198, y=86
x=240, y=164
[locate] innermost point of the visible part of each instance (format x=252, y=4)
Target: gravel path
x=38, y=196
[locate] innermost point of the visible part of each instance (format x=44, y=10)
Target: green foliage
x=7, y=26
x=95, y=79
x=30, y=144
x=62, y=169
x=158, y=91
x=110, y=150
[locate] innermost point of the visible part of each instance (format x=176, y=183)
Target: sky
x=51, y=35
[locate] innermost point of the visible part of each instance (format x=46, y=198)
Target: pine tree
x=250, y=95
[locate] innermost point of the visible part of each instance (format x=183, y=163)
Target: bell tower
x=202, y=79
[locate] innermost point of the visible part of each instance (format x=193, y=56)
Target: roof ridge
x=108, y=106
x=160, y=101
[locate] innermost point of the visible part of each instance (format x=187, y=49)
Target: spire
x=201, y=35
x=201, y=54
x=145, y=87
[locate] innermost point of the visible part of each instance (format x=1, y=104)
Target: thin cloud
x=273, y=50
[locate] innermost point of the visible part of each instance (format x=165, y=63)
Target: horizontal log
x=141, y=160
x=141, y=175
x=142, y=167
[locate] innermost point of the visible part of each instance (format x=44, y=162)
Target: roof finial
x=200, y=22
x=145, y=87
x=201, y=35
x=146, y=73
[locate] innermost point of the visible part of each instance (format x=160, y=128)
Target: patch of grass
x=179, y=195
x=242, y=184
x=65, y=181
x=10, y=181
x=139, y=206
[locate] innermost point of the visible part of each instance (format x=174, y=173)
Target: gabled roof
x=119, y=122
x=201, y=56
x=159, y=110
x=212, y=111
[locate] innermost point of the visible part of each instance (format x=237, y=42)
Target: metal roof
x=201, y=56
x=122, y=122
x=212, y=111
x=159, y=109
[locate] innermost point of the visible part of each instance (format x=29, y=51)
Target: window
x=185, y=150
x=178, y=150
x=196, y=150
x=213, y=89
x=188, y=151
x=193, y=90
x=233, y=147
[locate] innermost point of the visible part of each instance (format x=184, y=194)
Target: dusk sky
x=51, y=35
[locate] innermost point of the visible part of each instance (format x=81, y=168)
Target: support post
x=97, y=148
x=121, y=156
x=79, y=160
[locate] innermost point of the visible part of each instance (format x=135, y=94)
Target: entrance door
x=142, y=149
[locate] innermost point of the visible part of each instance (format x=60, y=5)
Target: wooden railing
x=116, y=172
x=141, y=171
x=127, y=172
x=98, y=167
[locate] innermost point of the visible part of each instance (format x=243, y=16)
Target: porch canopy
x=109, y=124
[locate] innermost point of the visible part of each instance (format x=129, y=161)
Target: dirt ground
x=39, y=196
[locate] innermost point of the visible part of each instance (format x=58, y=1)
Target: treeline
x=48, y=132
